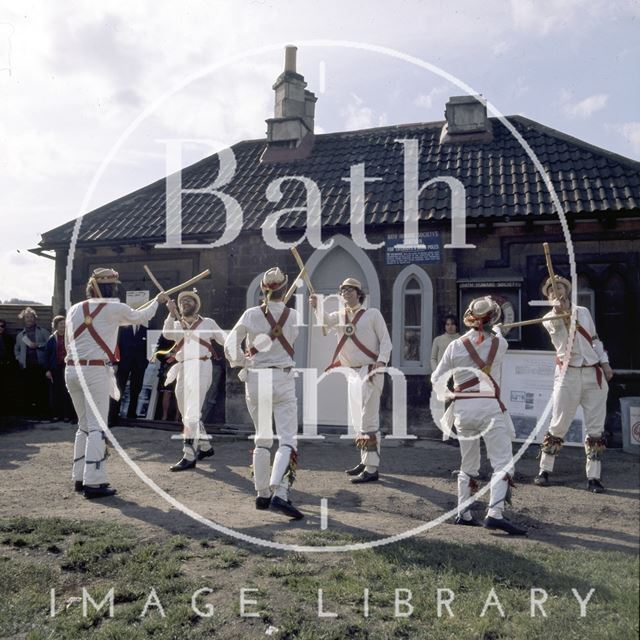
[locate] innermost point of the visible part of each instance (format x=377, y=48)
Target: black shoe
x=285, y=508
x=78, y=486
x=205, y=454
x=503, y=525
x=365, y=476
x=183, y=465
x=262, y=504
x=98, y=492
x=542, y=480
x=595, y=486
x=356, y=471
x=468, y=523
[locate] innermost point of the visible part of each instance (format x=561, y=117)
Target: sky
x=91, y=91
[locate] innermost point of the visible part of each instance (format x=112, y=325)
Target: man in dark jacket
x=8, y=370
x=55, y=354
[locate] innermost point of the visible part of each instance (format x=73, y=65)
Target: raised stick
x=524, y=323
x=552, y=275
x=306, y=278
x=153, y=278
x=294, y=286
x=179, y=287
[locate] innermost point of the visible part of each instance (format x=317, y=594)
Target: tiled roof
x=499, y=178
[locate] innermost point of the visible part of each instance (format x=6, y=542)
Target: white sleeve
x=233, y=343
x=444, y=367
x=127, y=315
x=170, y=331
x=598, y=347
x=384, y=352
x=219, y=335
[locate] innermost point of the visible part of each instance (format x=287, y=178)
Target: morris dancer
x=364, y=346
x=269, y=332
x=476, y=417
x=584, y=384
x=91, y=339
x=192, y=372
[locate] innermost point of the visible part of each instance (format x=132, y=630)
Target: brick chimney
x=466, y=120
x=292, y=123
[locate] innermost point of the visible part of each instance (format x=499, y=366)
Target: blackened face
x=187, y=306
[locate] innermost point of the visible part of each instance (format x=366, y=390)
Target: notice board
x=526, y=386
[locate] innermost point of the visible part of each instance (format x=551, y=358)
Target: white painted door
x=337, y=265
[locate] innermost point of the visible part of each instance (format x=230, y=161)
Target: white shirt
x=106, y=323
x=456, y=355
x=270, y=353
x=582, y=351
x=191, y=346
x=371, y=330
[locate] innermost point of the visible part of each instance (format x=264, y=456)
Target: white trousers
x=89, y=452
x=271, y=396
x=364, y=393
x=193, y=379
x=578, y=388
x=471, y=421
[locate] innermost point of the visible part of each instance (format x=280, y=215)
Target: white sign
x=525, y=389
x=137, y=298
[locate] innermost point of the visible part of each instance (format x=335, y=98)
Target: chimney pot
x=290, y=58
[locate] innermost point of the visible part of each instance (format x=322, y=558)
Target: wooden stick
x=303, y=270
x=153, y=278
x=552, y=275
x=524, y=323
x=306, y=278
x=96, y=287
x=179, y=287
x=175, y=315
x=294, y=286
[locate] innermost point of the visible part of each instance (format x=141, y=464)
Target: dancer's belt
x=89, y=363
x=472, y=383
x=597, y=367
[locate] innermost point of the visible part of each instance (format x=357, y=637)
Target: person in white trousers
x=269, y=332
x=192, y=372
x=475, y=361
x=91, y=337
x=585, y=384
x=363, y=346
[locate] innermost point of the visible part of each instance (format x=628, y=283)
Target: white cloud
x=584, y=108
x=547, y=17
x=631, y=132
x=426, y=100
x=358, y=116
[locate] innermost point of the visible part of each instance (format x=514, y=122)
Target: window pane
x=411, y=346
x=412, y=285
x=412, y=309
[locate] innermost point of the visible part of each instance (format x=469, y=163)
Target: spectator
x=438, y=348
x=29, y=352
x=213, y=393
x=8, y=366
x=55, y=353
x=441, y=343
x=167, y=359
x=132, y=343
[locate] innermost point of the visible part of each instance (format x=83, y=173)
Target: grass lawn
x=150, y=578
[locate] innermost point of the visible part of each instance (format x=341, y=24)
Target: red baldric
x=88, y=325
